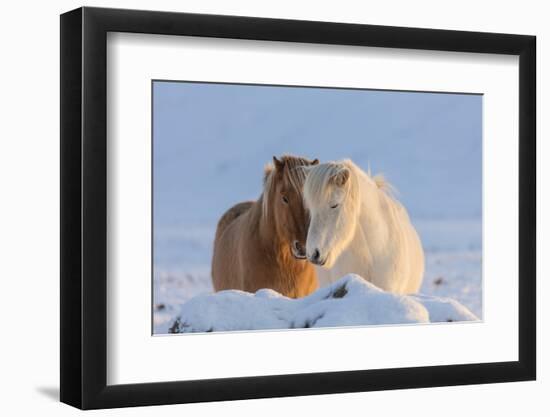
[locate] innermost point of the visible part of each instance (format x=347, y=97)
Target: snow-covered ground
x=350, y=301
x=453, y=269
x=211, y=142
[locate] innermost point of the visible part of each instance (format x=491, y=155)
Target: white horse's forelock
x=319, y=177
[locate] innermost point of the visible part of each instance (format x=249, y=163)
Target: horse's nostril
x=316, y=255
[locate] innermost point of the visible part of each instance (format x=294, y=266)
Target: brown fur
x=252, y=249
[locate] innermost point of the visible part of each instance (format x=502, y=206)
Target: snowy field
x=453, y=268
x=349, y=301
x=212, y=141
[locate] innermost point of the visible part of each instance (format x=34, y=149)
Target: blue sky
x=211, y=142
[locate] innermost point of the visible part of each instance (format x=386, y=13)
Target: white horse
x=358, y=227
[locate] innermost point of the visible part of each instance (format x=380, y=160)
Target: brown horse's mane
x=294, y=174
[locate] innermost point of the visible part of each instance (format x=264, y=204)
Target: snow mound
x=350, y=301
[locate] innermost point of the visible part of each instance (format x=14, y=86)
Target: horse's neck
x=368, y=195
x=371, y=218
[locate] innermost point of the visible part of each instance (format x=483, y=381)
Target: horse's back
x=230, y=215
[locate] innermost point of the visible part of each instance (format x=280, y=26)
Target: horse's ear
x=279, y=165
x=315, y=162
x=340, y=178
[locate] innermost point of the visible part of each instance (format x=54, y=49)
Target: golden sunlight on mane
x=383, y=184
x=293, y=174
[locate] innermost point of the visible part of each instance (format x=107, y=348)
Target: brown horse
x=261, y=244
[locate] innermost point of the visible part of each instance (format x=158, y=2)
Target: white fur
x=369, y=232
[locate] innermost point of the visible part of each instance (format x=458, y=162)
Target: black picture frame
x=84, y=207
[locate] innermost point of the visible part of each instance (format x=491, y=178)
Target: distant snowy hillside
x=350, y=301
x=212, y=141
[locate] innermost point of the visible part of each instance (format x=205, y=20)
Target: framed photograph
x=258, y=208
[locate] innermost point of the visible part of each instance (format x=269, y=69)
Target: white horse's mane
x=383, y=184
x=320, y=175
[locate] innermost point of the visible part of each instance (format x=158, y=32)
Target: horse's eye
x=334, y=206
x=285, y=200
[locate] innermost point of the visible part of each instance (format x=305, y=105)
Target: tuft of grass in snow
x=340, y=292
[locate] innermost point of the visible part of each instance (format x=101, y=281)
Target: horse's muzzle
x=298, y=251
x=315, y=258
